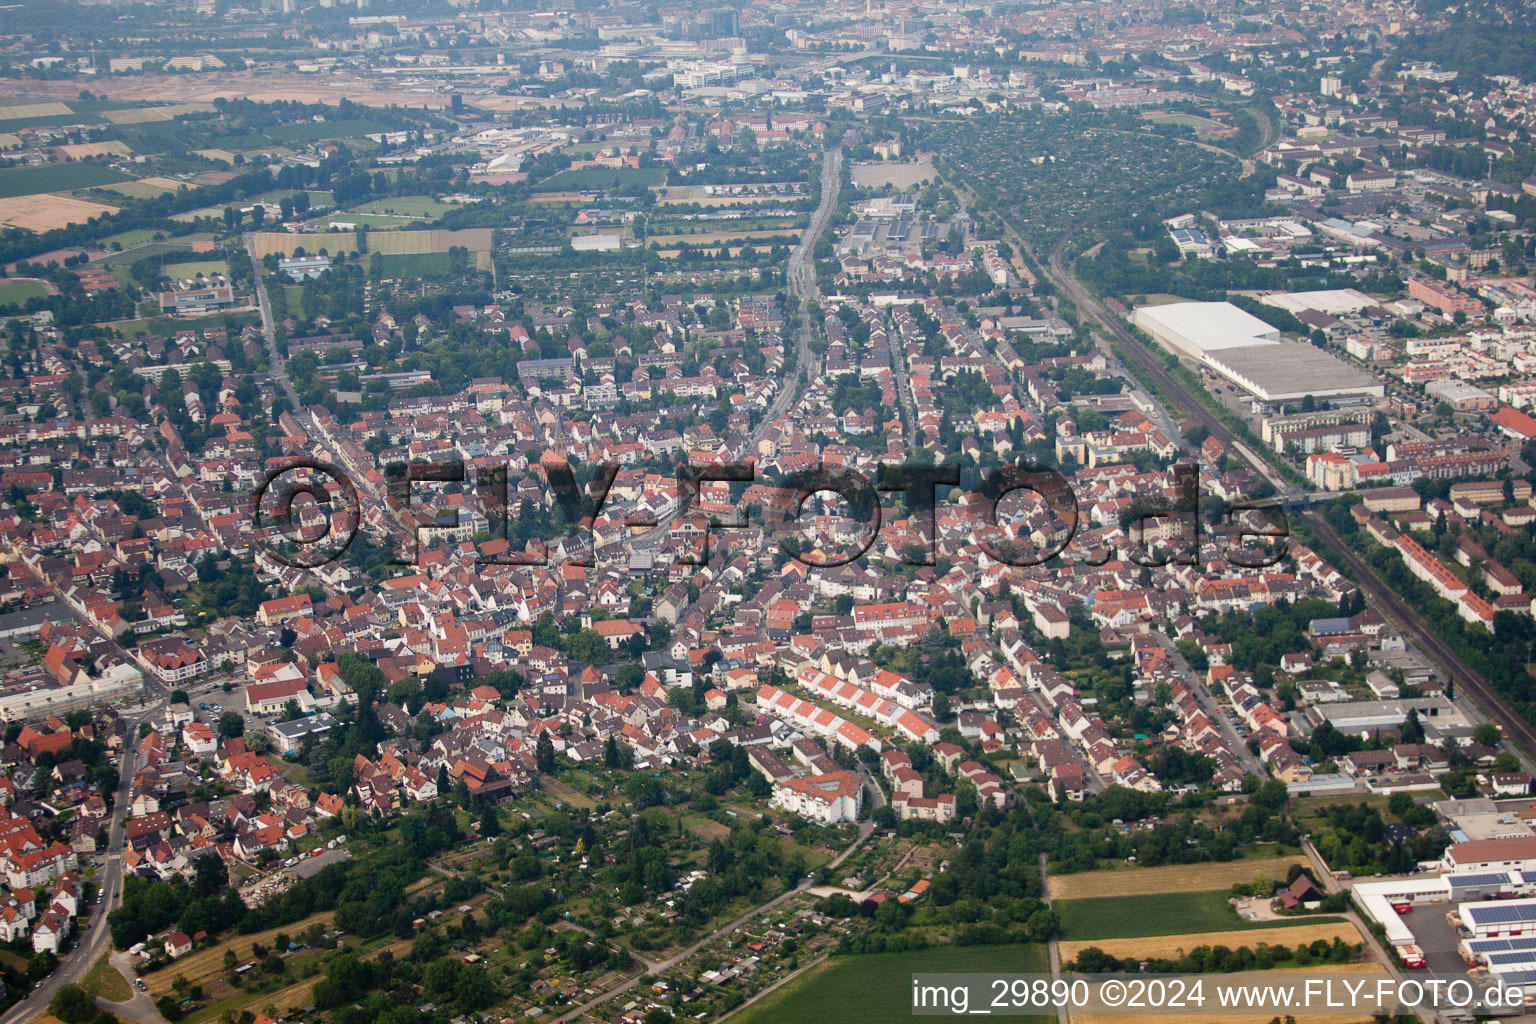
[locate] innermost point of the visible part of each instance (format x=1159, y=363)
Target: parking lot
x=1438, y=939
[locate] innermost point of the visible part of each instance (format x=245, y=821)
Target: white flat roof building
x=1288, y=372
x=1193, y=329
x=1333, y=301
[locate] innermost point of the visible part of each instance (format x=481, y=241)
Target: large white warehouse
x=1193, y=329
x=1249, y=353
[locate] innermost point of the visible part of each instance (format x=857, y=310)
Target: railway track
x=1516, y=729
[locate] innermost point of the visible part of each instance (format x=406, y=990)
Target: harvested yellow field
x=284, y=243
x=389, y=243
x=204, y=965
x=146, y=188
x=83, y=150
x=1174, y=946
x=9, y=141
x=406, y=243
x=222, y=155
x=17, y=110
x=716, y=237
x=45, y=212
x=139, y=115
x=1132, y=881
x=1169, y=1018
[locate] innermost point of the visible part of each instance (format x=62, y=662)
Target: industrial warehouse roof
x=1287, y=371
x=1499, y=912
x=1197, y=327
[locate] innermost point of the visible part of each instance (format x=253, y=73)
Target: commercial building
x=1288, y=372
x=196, y=301
x=117, y=683
x=1499, y=918
x=303, y=268
x=1363, y=717
x=1248, y=352
x=1195, y=329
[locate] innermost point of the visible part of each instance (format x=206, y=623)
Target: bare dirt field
x=1131, y=881
x=11, y=112
x=1177, y=945
x=1168, y=1018
x=261, y=87
x=897, y=175
x=141, y=115
x=45, y=212
x=146, y=188
x=81, y=150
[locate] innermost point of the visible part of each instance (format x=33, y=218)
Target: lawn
x=192, y=268
x=1129, y=917
x=14, y=293
x=877, y=989
x=315, y=132
x=416, y=264
x=27, y=181
x=1203, y=124
x=1135, y=881
x=105, y=981
x=603, y=177
x=404, y=206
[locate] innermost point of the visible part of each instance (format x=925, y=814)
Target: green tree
x=73, y=1005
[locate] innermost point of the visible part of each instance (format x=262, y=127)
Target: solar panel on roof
x=1501, y=913
x=1487, y=878
x=1518, y=956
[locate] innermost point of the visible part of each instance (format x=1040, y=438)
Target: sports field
x=1195, y=121
x=1176, y=945
x=1128, y=917
x=603, y=177
x=14, y=293
x=192, y=268
x=877, y=988
x=1134, y=881
x=403, y=206
x=27, y=181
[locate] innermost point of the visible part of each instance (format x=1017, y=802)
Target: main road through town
x=77, y=963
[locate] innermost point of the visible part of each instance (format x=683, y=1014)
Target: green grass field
x=14, y=293
x=603, y=177
x=416, y=264
x=1175, y=913
x=29, y=181
x=403, y=206
x=192, y=268
x=1203, y=124
x=324, y=130
x=877, y=989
